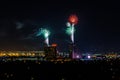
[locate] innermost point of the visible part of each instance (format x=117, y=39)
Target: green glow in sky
x=70, y=29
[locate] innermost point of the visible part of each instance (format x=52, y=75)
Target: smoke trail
x=72, y=33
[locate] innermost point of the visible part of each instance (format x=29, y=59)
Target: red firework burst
x=73, y=19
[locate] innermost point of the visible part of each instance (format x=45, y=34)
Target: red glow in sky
x=73, y=19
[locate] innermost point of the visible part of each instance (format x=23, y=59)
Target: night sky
x=98, y=28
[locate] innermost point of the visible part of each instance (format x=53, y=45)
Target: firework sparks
x=73, y=19
x=45, y=33
x=70, y=31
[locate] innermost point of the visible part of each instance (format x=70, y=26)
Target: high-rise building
x=71, y=50
x=50, y=51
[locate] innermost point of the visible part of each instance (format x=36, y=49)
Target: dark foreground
x=75, y=70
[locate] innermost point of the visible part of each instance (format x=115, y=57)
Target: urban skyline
x=59, y=40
